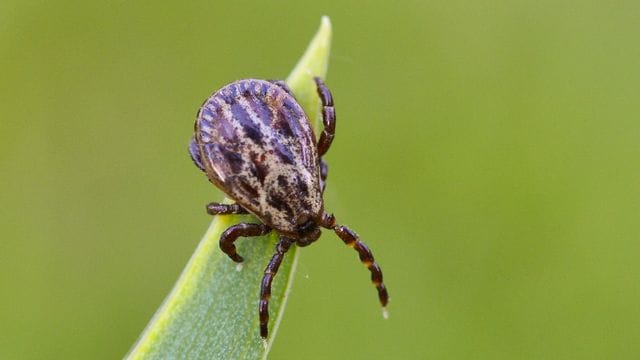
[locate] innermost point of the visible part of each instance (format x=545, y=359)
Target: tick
x=254, y=142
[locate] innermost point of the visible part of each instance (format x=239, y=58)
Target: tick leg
x=265, y=289
x=324, y=171
x=328, y=117
x=195, y=154
x=225, y=209
x=230, y=235
x=351, y=239
x=283, y=85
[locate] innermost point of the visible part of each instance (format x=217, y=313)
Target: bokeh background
x=488, y=152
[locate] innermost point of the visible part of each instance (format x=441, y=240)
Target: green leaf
x=212, y=311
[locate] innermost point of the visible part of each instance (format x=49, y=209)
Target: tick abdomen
x=256, y=144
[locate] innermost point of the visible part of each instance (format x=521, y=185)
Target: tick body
x=254, y=141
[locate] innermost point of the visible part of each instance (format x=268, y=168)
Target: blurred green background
x=486, y=151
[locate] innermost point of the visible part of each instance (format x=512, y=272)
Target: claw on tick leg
x=239, y=266
x=385, y=313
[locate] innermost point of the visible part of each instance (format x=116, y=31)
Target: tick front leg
x=225, y=209
x=351, y=239
x=232, y=234
x=328, y=117
x=265, y=289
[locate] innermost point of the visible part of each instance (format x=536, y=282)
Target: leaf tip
x=325, y=23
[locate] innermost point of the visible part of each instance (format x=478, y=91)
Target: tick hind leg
x=351, y=239
x=265, y=289
x=328, y=117
x=324, y=172
x=195, y=154
x=232, y=234
x=282, y=85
